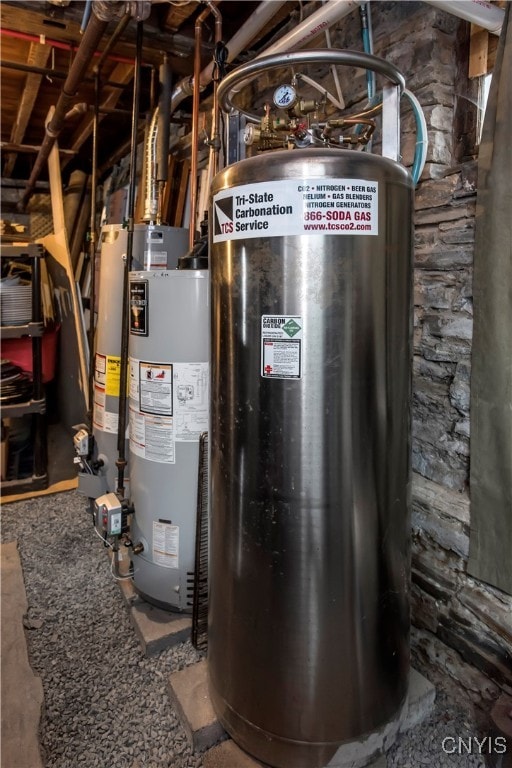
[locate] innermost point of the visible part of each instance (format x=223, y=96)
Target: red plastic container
x=19, y=352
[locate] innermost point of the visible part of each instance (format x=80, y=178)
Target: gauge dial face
x=249, y=134
x=285, y=96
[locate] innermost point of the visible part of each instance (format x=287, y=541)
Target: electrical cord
x=108, y=544
x=119, y=578
x=105, y=541
x=220, y=60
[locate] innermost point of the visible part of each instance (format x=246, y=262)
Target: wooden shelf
x=19, y=331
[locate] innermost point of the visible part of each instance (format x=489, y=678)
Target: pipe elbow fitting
x=139, y=9
x=187, y=86
x=106, y=10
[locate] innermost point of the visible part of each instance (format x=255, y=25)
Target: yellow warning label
x=113, y=375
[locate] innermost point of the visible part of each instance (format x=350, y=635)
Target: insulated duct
x=150, y=184
x=156, y=149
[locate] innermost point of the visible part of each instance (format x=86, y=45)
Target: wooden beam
x=182, y=193
x=8, y=146
x=122, y=73
x=478, y=51
x=38, y=56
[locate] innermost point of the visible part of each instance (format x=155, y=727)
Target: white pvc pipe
x=318, y=22
x=263, y=13
x=321, y=89
x=308, y=29
x=476, y=11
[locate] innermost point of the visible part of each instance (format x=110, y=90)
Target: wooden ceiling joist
x=122, y=73
x=38, y=57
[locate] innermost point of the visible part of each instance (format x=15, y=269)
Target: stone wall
x=462, y=632
x=462, y=628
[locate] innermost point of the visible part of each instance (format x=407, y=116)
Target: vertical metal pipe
x=93, y=238
x=93, y=242
x=118, y=31
x=37, y=348
x=263, y=13
x=195, y=123
x=214, y=136
x=125, y=326
x=40, y=449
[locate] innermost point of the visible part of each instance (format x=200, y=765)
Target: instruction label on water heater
x=310, y=206
x=155, y=388
x=106, y=392
x=166, y=544
x=281, y=346
x=168, y=405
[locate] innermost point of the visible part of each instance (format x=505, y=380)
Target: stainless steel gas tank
x=310, y=452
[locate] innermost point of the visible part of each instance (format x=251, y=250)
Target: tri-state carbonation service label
x=313, y=206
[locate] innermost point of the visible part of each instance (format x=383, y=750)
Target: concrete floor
x=21, y=690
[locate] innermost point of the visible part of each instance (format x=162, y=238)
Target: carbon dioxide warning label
x=313, y=206
x=281, y=346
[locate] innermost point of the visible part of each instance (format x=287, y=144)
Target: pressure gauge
x=251, y=134
x=285, y=96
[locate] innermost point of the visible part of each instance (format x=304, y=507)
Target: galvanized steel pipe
x=92, y=36
x=90, y=40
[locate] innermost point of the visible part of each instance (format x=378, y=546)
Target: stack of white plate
x=16, y=303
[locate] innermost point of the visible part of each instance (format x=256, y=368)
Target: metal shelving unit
x=37, y=403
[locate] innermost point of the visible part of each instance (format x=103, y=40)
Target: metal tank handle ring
x=243, y=75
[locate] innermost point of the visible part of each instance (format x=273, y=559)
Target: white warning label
x=281, y=346
x=312, y=206
x=166, y=544
x=190, y=404
x=152, y=437
x=155, y=388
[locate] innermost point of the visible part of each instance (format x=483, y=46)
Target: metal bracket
x=391, y=122
x=235, y=143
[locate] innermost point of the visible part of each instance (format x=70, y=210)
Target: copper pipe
x=195, y=123
x=214, y=137
x=263, y=13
